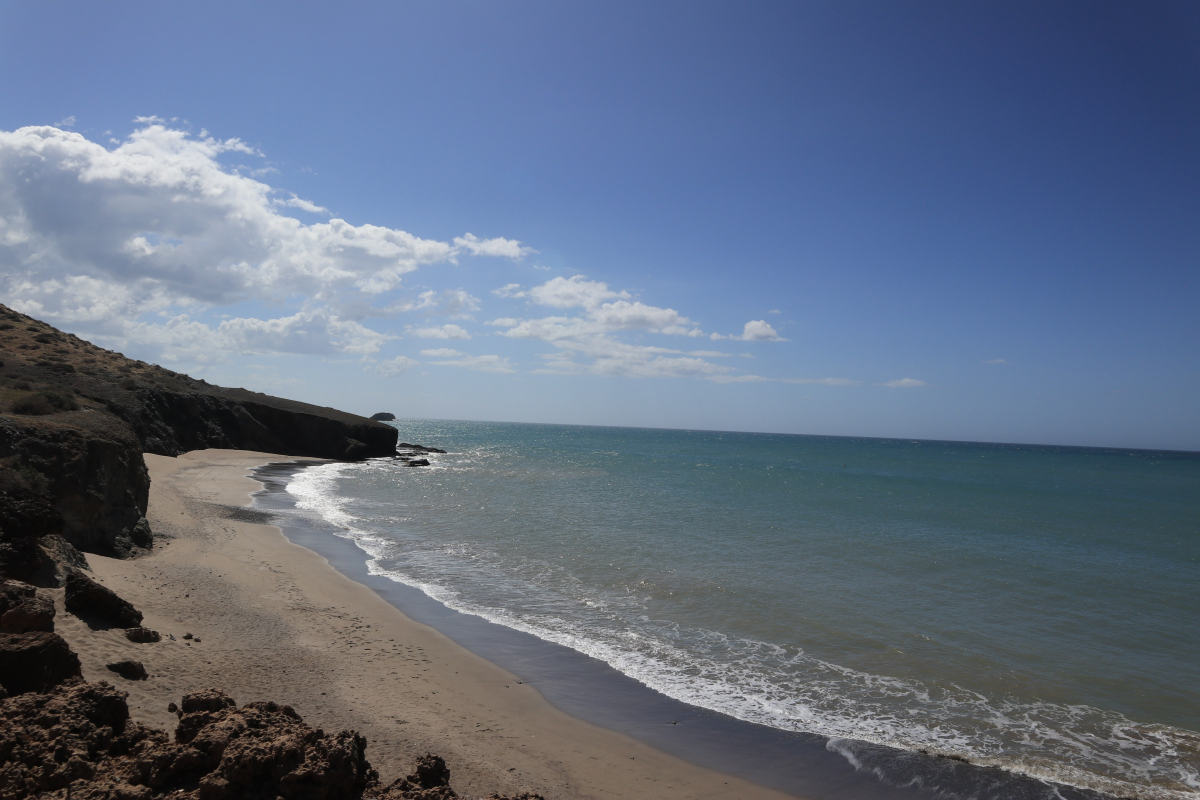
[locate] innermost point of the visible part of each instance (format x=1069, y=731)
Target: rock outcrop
x=22, y=610
x=78, y=739
x=75, y=420
x=35, y=662
x=99, y=605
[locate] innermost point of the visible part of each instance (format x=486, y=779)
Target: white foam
x=770, y=684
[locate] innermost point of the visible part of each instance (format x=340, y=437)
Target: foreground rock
x=143, y=636
x=22, y=610
x=78, y=741
x=129, y=669
x=35, y=662
x=94, y=603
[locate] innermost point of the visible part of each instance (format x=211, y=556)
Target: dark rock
x=143, y=635
x=172, y=707
x=418, y=448
x=383, y=416
x=431, y=771
x=35, y=662
x=92, y=602
x=22, y=610
x=417, y=462
x=129, y=670
x=187, y=636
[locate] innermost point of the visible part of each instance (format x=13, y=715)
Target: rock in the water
x=417, y=462
x=383, y=416
x=35, y=662
x=129, y=669
x=143, y=635
x=22, y=610
x=90, y=601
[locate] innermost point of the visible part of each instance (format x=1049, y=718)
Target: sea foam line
x=829, y=699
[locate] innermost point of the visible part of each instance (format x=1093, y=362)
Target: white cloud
x=480, y=363
x=754, y=331
x=506, y=248
x=588, y=342
x=442, y=352
x=996, y=361
x=774, y=311
x=509, y=290
x=572, y=292
x=99, y=236
x=293, y=201
x=66, y=122
x=905, y=383
x=448, y=331
x=395, y=366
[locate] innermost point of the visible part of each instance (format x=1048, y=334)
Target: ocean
x=1030, y=608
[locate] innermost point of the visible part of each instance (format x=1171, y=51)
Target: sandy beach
x=273, y=620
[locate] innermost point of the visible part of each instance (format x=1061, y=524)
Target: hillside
x=75, y=420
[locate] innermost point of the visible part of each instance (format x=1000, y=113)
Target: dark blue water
x=1033, y=608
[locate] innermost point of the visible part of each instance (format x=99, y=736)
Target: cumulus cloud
x=905, y=383
x=480, y=363
x=509, y=290
x=574, y=291
x=754, y=331
x=293, y=201
x=448, y=331
x=506, y=248
x=396, y=366
x=588, y=341
x=100, y=236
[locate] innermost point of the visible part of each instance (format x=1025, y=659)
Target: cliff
x=75, y=420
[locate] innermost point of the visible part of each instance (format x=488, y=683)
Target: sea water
x=1028, y=607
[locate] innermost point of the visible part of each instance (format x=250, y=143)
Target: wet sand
x=275, y=621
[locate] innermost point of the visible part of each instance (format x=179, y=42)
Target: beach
x=271, y=620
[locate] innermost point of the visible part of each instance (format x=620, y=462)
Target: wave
x=772, y=684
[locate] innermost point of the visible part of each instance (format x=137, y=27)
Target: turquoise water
x=1034, y=608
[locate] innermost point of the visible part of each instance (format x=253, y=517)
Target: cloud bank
x=142, y=243
x=96, y=238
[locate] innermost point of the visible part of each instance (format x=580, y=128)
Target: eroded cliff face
x=75, y=420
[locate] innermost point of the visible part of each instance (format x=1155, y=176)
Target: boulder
x=129, y=669
x=143, y=635
x=78, y=741
x=22, y=610
x=417, y=462
x=429, y=781
x=92, y=602
x=35, y=662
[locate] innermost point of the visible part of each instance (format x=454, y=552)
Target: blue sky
x=940, y=220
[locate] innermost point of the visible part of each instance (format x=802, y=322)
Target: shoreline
x=275, y=621
x=590, y=691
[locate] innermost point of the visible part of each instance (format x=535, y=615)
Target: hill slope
x=75, y=419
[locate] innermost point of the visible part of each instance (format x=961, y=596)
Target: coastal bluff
x=75, y=420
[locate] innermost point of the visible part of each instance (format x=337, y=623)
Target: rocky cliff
x=75, y=420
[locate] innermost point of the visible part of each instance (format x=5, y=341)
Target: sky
x=967, y=221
